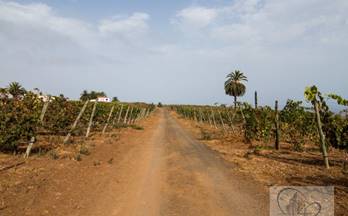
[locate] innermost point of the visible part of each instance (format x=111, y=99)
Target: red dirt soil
x=277, y=168
x=161, y=170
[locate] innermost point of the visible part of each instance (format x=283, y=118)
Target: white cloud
x=41, y=16
x=279, y=39
x=133, y=25
x=288, y=41
x=197, y=17
x=40, y=48
x=271, y=21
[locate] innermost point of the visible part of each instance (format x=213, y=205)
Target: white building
x=45, y=98
x=104, y=99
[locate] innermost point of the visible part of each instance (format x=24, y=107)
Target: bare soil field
x=160, y=170
x=276, y=168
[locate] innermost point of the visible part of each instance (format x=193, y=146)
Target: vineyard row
x=294, y=124
x=23, y=120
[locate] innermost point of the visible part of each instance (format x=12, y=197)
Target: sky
x=175, y=51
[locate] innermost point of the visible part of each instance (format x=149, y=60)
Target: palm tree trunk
x=235, y=102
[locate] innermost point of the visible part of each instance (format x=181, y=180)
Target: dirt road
x=160, y=171
x=172, y=174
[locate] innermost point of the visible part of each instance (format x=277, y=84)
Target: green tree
x=85, y=95
x=3, y=92
x=234, y=85
x=115, y=99
x=16, y=90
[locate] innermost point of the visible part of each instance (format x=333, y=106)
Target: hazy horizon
x=175, y=52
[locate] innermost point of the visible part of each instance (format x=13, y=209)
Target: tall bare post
x=109, y=117
x=126, y=115
x=120, y=114
x=76, y=122
x=32, y=140
x=91, y=119
x=321, y=134
x=277, y=130
x=256, y=100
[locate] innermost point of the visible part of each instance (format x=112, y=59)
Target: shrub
x=137, y=127
x=205, y=135
x=78, y=157
x=53, y=154
x=18, y=120
x=84, y=150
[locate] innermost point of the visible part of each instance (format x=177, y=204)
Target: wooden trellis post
x=321, y=134
x=200, y=116
x=203, y=117
x=209, y=120
x=277, y=131
x=243, y=116
x=109, y=117
x=222, y=122
x=213, y=116
x=76, y=122
x=135, y=116
x=120, y=114
x=144, y=113
x=91, y=119
x=130, y=116
x=230, y=119
x=138, y=117
x=244, y=121
x=42, y=115
x=126, y=115
x=115, y=117
x=194, y=116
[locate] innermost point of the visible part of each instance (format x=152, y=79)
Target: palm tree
x=16, y=90
x=234, y=86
